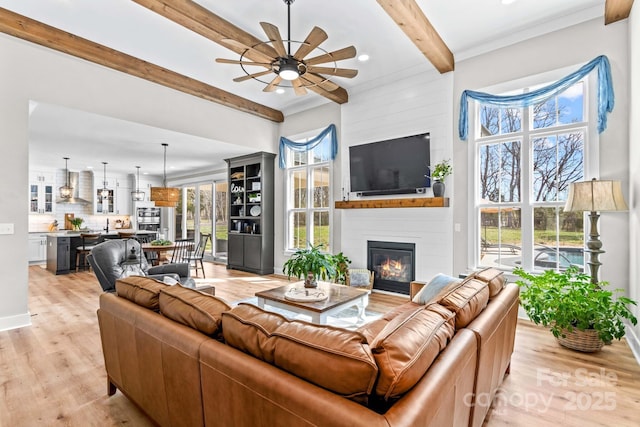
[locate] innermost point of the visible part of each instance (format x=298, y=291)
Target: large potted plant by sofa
x=312, y=264
x=581, y=315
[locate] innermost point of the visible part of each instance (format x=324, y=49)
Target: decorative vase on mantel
x=438, y=189
x=310, y=281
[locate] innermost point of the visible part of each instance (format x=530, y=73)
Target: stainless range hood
x=74, y=182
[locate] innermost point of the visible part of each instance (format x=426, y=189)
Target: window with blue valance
x=605, y=95
x=329, y=132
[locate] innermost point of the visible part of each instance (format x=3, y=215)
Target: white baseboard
x=634, y=342
x=14, y=322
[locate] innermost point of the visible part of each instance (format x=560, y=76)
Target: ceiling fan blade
x=313, y=40
x=236, y=62
x=325, y=84
x=251, y=76
x=273, y=85
x=298, y=88
x=336, y=55
x=255, y=54
x=273, y=34
x=338, y=72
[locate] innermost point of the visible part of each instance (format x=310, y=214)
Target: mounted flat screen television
x=394, y=166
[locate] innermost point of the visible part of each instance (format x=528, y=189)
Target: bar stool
x=89, y=240
x=126, y=234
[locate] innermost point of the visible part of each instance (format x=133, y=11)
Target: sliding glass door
x=203, y=210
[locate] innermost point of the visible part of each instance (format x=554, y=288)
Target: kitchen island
x=61, y=247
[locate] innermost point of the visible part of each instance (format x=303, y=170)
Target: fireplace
x=393, y=264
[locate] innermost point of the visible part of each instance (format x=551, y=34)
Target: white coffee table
x=340, y=298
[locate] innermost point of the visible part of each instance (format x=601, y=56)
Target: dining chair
x=182, y=248
x=198, y=254
x=88, y=242
x=152, y=257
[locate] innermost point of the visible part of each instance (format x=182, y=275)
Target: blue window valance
x=605, y=95
x=309, y=145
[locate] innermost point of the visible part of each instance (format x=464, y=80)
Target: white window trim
x=305, y=135
x=591, y=153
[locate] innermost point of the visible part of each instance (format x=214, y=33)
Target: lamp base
x=594, y=246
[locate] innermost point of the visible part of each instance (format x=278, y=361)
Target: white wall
x=634, y=171
x=574, y=45
x=30, y=72
x=414, y=101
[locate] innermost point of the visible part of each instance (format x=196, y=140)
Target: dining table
x=161, y=250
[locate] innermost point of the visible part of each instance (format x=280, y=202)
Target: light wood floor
x=52, y=372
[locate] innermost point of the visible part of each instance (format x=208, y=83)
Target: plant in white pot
x=438, y=174
x=581, y=315
x=312, y=264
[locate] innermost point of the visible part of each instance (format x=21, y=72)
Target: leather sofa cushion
x=372, y=329
x=336, y=359
x=494, y=278
x=467, y=299
x=405, y=349
x=143, y=291
x=248, y=328
x=192, y=308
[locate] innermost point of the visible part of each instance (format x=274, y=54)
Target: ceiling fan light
x=288, y=72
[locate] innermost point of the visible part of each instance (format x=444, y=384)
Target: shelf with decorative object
x=250, y=244
x=416, y=202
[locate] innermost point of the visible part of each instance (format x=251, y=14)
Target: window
x=308, y=182
x=525, y=159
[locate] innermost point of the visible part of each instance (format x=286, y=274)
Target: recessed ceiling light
x=364, y=57
x=280, y=90
x=508, y=1
x=89, y=167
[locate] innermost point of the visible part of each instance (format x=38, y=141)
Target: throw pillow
x=168, y=280
x=428, y=292
x=359, y=277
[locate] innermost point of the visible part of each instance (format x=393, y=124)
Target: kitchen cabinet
x=37, y=250
x=250, y=207
x=58, y=254
x=41, y=192
x=118, y=200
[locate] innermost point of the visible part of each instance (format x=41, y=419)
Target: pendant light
x=104, y=193
x=137, y=195
x=165, y=196
x=66, y=191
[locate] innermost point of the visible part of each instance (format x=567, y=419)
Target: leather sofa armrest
x=415, y=287
x=181, y=269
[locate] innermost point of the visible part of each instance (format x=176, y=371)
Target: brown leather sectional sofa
x=188, y=359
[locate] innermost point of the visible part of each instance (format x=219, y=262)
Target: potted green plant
x=341, y=263
x=76, y=223
x=312, y=264
x=581, y=315
x=438, y=174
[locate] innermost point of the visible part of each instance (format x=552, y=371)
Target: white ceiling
x=468, y=27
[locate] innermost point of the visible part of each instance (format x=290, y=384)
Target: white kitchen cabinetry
x=37, y=250
x=42, y=192
x=118, y=201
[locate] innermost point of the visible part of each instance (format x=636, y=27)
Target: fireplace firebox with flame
x=393, y=265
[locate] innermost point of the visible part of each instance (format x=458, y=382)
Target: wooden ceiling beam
x=204, y=22
x=616, y=10
x=410, y=18
x=37, y=32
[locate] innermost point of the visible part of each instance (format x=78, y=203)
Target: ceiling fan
x=291, y=68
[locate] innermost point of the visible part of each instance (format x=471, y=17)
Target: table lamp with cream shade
x=593, y=196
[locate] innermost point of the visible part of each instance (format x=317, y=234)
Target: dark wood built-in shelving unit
x=417, y=202
x=250, y=207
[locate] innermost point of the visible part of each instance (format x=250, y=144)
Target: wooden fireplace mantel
x=417, y=202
